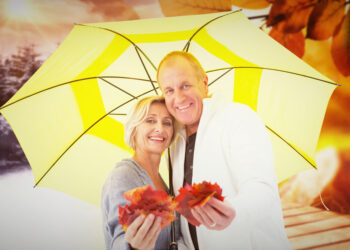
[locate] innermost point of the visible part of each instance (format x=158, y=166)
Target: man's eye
x=185, y=86
x=169, y=91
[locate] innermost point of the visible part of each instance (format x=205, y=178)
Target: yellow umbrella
x=69, y=116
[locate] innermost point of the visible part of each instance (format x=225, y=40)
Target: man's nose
x=179, y=96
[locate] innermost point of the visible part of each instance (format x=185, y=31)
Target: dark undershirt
x=188, y=171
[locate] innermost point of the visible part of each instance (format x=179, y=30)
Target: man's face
x=183, y=92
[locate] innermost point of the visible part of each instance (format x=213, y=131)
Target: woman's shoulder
x=125, y=176
x=125, y=169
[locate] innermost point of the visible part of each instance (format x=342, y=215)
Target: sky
x=45, y=23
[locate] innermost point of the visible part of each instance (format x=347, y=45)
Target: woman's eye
x=186, y=86
x=149, y=120
x=169, y=124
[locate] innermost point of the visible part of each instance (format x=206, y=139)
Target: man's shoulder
x=234, y=110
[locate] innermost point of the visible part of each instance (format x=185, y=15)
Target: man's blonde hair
x=186, y=55
x=137, y=115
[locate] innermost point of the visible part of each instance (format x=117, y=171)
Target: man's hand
x=215, y=214
x=143, y=232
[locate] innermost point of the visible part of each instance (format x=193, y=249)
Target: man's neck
x=190, y=130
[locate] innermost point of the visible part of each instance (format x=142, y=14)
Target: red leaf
x=290, y=16
x=324, y=19
x=145, y=200
x=196, y=195
x=295, y=42
x=341, y=46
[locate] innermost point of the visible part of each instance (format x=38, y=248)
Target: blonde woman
x=149, y=131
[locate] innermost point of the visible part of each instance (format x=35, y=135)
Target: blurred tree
x=16, y=70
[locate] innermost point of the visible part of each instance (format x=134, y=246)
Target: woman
x=149, y=131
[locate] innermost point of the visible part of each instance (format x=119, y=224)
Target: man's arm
x=249, y=151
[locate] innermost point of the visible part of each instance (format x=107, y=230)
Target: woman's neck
x=149, y=162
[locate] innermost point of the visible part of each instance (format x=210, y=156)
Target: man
x=225, y=143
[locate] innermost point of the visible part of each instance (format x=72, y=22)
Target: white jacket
x=233, y=149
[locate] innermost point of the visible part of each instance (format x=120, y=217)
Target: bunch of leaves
x=145, y=201
x=196, y=195
x=293, y=21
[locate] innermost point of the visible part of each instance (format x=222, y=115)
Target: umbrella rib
x=187, y=46
x=118, y=114
x=65, y=83
x=97, y=121
x=290, y=145
x=123, y=36
x=279, y=70
x=220, y=76
x=118, y=88
x=149, y=77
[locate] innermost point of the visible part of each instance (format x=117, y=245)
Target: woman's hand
x=143, y=232
x=215, y=214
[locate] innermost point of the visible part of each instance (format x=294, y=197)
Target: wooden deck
x=313, y=228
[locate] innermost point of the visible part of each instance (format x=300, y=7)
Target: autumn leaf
x=251, y=4
x=341, y=46
x=145, y=200
x=324, y=19
x=295, y=42
x=290, y=16
x=196, y=195
x=191, y=7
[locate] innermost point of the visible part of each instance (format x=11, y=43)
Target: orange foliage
x=251, y=4
x=191, y=7
x=324, y=19
x=196, y=195
x=290, y=16
x=341, y=46
x=145, y=200
x=336, y=195
x=295, y=42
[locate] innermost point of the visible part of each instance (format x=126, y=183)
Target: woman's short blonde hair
x=137, y=115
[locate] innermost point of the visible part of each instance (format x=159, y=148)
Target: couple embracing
x=219, y=142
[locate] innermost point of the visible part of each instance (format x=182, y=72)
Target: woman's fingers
x=153, y=233
x=133, y=227
x=137, y=231
x=143, y=230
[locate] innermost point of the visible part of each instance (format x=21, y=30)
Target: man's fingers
x=207, y=214
x=223, y=207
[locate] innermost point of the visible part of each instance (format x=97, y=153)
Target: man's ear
x=205, y=80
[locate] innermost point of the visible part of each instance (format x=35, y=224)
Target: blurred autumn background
x=317, y=31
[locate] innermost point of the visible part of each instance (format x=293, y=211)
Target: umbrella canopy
x=69, y=116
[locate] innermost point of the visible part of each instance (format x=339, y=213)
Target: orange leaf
x=196, y=195
x=324, y=19
x=290, y=16
x=295, y=42
x=251, y=4
x=145, y=200
x=341, y=46
x=191, y=7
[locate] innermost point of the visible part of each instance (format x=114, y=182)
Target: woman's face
x=154, y=134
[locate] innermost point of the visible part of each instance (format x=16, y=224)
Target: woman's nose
x=159, y=126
